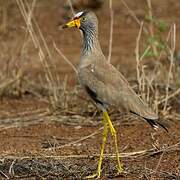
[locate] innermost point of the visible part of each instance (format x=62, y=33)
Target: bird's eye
x=83, y=18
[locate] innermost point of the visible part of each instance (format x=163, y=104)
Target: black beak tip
x=61, y=27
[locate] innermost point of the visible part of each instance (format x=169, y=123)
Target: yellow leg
x=113, y=133
x=107, y=124
x=105, y=133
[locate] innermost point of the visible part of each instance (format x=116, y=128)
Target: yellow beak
x=73, y=23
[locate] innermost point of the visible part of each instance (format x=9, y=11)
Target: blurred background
x=140, y=38
x=19, y=52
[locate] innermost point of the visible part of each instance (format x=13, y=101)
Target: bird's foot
x=93, y=176
x=119, y=166
x=121, y=172
x=120, y=169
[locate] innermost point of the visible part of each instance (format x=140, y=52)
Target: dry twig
x=111, y=30
x=151, y=26
x=131, y=12
x=64, y=57
x=77, y=141
x=71, y=6
x=171, y=52
x=135, y=154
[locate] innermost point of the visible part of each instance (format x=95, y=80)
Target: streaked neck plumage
x=91, y=43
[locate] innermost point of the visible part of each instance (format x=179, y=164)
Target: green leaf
x=161, y=25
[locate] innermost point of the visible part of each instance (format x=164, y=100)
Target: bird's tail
x=155, y=123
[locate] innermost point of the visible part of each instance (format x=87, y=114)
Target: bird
x=105, y=85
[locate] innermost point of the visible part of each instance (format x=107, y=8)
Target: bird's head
x=82, y=20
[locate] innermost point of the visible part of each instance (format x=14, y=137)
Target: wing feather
x=112, y=88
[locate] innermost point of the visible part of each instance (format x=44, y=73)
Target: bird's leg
x=105, y=133
x=113, y=133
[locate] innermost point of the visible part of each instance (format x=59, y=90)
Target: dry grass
x=148, y=79
x=39, y=43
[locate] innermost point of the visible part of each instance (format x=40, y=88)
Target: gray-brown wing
x=110, y=87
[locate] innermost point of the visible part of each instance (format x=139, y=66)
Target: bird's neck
x=90, y=41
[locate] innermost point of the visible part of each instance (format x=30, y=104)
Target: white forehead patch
x=78, y=14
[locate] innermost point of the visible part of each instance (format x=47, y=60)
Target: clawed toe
x=93, y=176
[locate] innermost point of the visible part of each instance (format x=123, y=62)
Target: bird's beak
x=72, y=23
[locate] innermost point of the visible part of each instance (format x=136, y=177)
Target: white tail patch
x=78, y=14
x=155, y=127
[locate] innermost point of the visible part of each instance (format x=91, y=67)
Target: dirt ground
x=39, y=143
